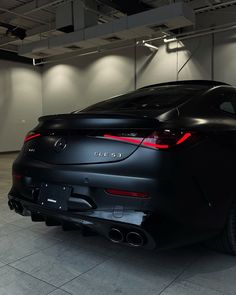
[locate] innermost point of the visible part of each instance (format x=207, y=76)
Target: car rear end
x=116, y=172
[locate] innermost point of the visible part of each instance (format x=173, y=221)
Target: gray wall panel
x=20, y=103
x=86, y=80
x=195, y=56
x=225, y=57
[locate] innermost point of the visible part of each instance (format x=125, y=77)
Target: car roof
x=209, y=83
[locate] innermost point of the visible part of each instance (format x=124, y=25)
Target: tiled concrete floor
x=38, y=260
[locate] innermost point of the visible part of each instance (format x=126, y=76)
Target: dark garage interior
x=125, y=185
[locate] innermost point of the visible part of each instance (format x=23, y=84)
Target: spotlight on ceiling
x=148, y=45
x=169, y=40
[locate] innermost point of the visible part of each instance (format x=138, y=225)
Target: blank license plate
x=54, y=196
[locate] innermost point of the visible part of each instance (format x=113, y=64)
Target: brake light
x=165, y=139
x=31, y=135
x=135, y=140
x=158, y=140
x=117, y=192
x=184, y=138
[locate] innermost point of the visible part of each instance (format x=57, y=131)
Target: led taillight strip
x=183, y=138
x=143, y=141
x=156, y=146
x=117, y=192
x=126, y=139
x=32, y=137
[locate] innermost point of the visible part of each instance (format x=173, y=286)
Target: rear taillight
x=31, y=135
x=123, y=193
x=165, y=139
x=16, y=176
x=157, y=140
x=128, y=138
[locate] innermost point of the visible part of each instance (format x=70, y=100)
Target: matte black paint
x=190, y=187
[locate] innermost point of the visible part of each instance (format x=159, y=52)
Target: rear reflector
x=117, y=192
x=31, y=136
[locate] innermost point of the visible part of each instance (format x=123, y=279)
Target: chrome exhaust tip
x=116, y=236
x=135, y=239
x=14, y=205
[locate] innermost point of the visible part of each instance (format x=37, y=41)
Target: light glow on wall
x=84, y=81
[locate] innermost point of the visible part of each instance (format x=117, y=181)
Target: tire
x=226, y=241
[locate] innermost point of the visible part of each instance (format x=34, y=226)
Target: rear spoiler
x=96, y=121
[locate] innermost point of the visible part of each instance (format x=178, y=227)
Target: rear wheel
x=226, y=241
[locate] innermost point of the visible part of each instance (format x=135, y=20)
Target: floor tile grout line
x=19, y=226
x=27, y=229
x=179, y=275
x=173, y=281
x=55, y=287
x=3, y=264
x=9, y=265
x=60, y=290
x=88, y=270
x=28, y=255
x=212, y=289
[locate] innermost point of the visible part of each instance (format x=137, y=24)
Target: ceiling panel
x=11, y=4
x=32, y=20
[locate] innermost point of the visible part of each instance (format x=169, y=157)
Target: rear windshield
x=148, y=99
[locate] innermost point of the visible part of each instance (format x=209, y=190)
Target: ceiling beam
x=32, y=32
x=17, y=15
x=128, y=7
x=28, y=8
x=12, y=56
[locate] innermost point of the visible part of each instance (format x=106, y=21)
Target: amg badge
x=106, y=154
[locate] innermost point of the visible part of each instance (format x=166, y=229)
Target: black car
x=151, y=168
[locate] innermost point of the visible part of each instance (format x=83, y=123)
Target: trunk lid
x=82, y=138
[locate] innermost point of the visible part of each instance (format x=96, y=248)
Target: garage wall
x=85, y=80
x=208, y=57
x=20, y=102
x=190, y=59
x=225, y=57
x=26, y=93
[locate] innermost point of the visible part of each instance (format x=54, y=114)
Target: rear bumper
x=103, y=222
x=156, y=231
x=173, y=215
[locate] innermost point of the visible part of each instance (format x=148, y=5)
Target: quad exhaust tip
x=132, y=238
x=116, y=236
x=135, y=239
x=14, y=205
